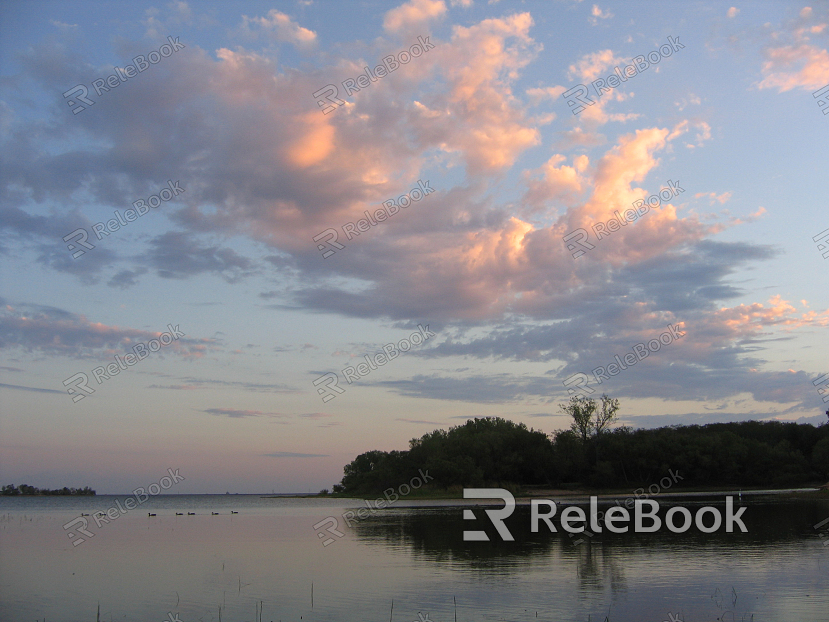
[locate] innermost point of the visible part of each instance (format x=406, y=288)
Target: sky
x=202, y=209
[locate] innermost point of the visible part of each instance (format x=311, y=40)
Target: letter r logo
x=81, y=530
x=332, y=528
x=579, y=237
x=496, y=516
x=331, y=388
x=579, y=381
x=326, y=104
x=82, y=98
x=81, y=241
x=79, y=381
x=822, y=97
x=330, y=243
x=579, y=93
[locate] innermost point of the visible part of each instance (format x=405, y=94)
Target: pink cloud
x=792, y=60
x=413, y=13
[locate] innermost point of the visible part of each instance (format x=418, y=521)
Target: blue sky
x=729, y=117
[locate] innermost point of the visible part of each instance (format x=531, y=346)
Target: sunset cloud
x=481, y=118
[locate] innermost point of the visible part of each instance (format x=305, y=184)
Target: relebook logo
x=573, y=519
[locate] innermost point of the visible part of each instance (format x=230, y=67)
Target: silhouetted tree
x=493, y=451
x=581, y=409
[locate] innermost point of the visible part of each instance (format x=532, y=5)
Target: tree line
x=496, y=452
x=25, y=489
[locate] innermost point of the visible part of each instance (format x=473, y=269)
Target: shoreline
x=522, y=495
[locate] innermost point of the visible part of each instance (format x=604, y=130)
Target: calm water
x=158, y=568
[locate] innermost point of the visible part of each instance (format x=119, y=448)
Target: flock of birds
x=180, y=513
x=189, y=513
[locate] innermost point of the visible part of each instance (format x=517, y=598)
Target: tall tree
x=581, y=409
x=606, y=415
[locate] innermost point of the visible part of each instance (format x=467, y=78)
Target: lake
x=269, y=555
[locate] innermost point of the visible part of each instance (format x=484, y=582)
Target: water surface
x=155, y=568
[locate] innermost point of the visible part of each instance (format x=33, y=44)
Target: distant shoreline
x=520, y=495
x=807, y=491
x=25, y=490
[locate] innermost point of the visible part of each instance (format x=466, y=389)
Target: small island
x=25, y=489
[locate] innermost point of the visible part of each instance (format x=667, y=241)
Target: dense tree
x=588, y=419
x=581, y=409
x=25, y=489
x=606, y=415
x=496, y=452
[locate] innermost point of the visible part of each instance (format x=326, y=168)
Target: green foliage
x=820, y=457
x=481, y=452
x=581, y=409
x=749, y=453
x=495, y=452
x=25, y=489
x=606, y=415
x=588, y=420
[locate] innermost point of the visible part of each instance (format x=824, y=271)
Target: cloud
x=125, y=279
x=713, y=196
x=189, y=383
x=790, y=67
x=591, y=66
x=556, y=182
x=282, y=171
x=659, y=421
x=552, y=93
x=291, y=454
x=413, y=13
x=62, y=26
x=178, y=255
x=280, y=27
x=418, y=421
x=596, y=14
x=792, y=60
x=315, y=416
x=53, y=331
x=692, y=100
x=43, y=233
x=175, y=14
x=240, y=414
x=32, y=389
x=478, y=116
x=732, y=12
x=479, y=389
x=267, y=169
